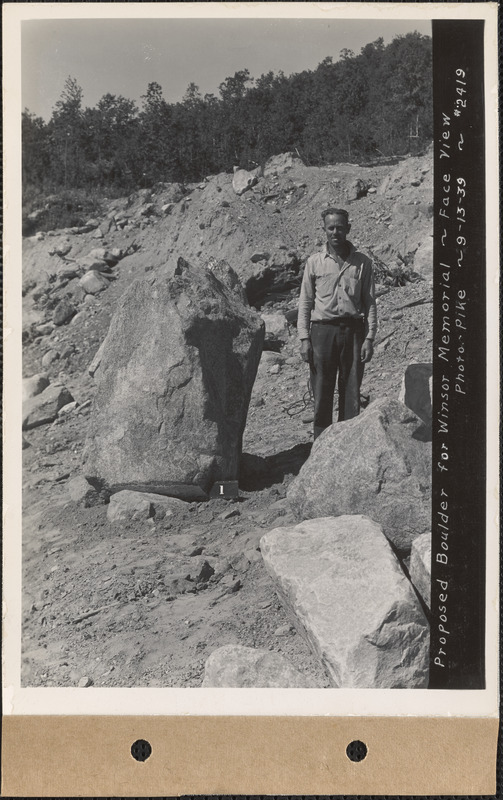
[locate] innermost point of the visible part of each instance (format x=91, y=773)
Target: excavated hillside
x=102, y=603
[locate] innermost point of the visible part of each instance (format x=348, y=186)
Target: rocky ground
x=144, y=602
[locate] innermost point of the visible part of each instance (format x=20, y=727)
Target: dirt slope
x=153, y=627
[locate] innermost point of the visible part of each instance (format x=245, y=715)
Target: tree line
x=377, y=103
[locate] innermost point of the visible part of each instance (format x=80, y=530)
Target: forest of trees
x=377, y=103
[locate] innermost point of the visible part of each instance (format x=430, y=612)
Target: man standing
x=337, y=320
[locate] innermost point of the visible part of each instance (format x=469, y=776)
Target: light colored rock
x=45, y=328
x=235, y=666
x=420, y=566
x=95, y=363
x=102, y=254
x=276, y=165
x=91, y=262
x=346, y=592
x=79, y=489
x=93, y=282
x=167, y=208
x=176, y=374
x=50, y=357
x=44, y=407
x=67, y=409
x=357, y=188
x=229, y=277
x=63, y=312
x=372, y=464
x=129, y=505
x=244, y=179
x=276, y=326
x=34, y=385
x=416, y=390
x=423, y=258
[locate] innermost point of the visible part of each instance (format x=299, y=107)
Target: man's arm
x=306, y=301
x=370, y=308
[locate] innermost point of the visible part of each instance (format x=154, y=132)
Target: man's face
x=337, y=228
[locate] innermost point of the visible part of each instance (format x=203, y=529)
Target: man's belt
x=355, y=321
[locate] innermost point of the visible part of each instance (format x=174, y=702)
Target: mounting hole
x=356, y=751
x=141, y=750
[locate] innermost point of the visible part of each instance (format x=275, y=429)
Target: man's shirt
x=331, y=290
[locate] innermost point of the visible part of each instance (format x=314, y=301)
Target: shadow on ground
x=258, y=473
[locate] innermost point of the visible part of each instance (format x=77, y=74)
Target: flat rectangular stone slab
x=346, y=591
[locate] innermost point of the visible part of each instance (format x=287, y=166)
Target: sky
x=122, y=56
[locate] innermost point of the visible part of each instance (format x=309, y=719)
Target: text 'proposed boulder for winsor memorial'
x=174, y=383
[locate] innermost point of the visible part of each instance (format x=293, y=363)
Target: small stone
x=49, y=358
x=196, y=552
x=63, y=312
x=85, y=681
x=34, y=385
x=274, y=370
x=231, y=512
x=260, y=256
x=79, y=489
x=205, y=572
x=93, y=282
x=67, y=409
x=44, y=407
x=415, y=183
x=284, y=630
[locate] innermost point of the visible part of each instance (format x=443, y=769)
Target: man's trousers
x=336, y=353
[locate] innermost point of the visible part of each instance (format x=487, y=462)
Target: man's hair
x=333, y=211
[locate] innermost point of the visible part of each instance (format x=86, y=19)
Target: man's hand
x=306, y=350
x=367, y=350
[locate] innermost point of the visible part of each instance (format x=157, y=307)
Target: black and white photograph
x=252, y=295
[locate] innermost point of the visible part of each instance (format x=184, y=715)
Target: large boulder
x=44, y=407
x=238, y=667
x=376, y=464
x=346, y=592
x=417, y=389
x=176, y=374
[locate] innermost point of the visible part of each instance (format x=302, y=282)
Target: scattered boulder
x=50, y=357
x=276, y=326
x=93, y=282
x=44, y=407
x=80, y=490
x=91, y=262
x=34, y=385
x=420, y=566
x=260, y=256
x=357, y=188
x=276, y=165
x=63, y=312
x=243, y=179
x=130, y=505
x=417, y=390
x=127, y=506
x=238, y=667
x=174, y=383
x=377, y=464
x=347, y=593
